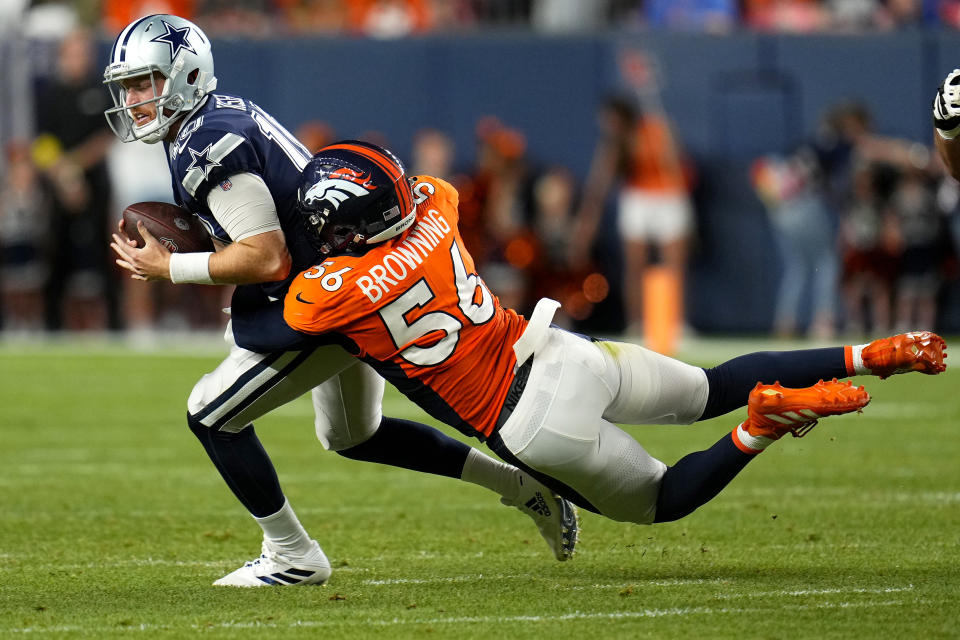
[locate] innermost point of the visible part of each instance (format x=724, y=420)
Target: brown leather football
x=174, y=227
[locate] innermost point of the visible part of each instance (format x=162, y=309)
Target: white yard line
x=485, y=620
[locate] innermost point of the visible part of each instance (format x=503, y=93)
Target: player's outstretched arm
x=946, y=122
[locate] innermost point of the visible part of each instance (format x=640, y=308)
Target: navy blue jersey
x=230, y=135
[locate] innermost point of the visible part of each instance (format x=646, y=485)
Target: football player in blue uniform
x=237, y=169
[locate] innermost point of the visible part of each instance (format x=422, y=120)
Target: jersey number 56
x=419, y=296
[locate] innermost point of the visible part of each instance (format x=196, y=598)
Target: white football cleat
x=556, y=517
x=273, y=568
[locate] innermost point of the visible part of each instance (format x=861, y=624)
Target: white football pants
x=346, y=393
x=562, y=424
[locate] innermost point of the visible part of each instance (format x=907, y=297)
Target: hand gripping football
x=174, y=227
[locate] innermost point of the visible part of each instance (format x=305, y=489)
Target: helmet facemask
x=159, y=47
x=121, y=119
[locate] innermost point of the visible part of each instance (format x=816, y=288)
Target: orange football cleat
x=774, y=410
x=921, y=351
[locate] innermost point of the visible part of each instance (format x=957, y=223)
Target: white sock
x=497, y=476
x=856, y=355
x=754, y=443
x=285, y=532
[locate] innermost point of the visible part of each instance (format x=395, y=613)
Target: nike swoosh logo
x=299, y=299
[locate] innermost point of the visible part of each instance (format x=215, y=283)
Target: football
x=176, y=228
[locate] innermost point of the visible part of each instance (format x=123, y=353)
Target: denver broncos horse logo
x=338, y=186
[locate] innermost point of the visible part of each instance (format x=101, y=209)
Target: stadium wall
x=731, y=99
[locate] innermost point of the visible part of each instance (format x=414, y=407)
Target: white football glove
x=946, y=107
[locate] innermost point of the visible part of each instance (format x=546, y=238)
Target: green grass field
x=114, y=524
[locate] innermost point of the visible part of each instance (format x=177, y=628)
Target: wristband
x=948, y=135
x=191, y=267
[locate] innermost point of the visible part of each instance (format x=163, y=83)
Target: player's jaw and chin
x=143, y=114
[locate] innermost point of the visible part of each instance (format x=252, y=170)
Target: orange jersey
x=414, y=308
x=654, y=165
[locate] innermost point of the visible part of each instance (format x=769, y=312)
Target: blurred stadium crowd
x=396, y=18
x=866, y=221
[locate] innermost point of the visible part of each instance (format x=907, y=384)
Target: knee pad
x=348, y=408
x=654, y=388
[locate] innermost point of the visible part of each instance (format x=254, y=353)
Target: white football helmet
x=176, y=49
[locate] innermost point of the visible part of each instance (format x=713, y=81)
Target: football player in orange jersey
x=395, y=285
x=236, y=169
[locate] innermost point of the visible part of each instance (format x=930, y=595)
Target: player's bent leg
x=350, y=431
x=698, y=477
x=289, y=555
x=348, y=406
x=649, y=387
x=731, y=382
x=244, y=465
x=247, y=385
x=556, y=430
x=221, y=408
x=773, y=411
x=612, y=471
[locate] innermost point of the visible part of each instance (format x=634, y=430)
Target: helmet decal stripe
x=384, y=163
x=379, y=159
x=126, y=37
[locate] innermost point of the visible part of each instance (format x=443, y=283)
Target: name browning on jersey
x=397, y=265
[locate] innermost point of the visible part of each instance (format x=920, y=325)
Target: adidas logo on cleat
x=298, y=576
x=538, y=505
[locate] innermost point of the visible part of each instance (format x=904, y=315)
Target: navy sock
x=731, y=382
x=698, y=477
x=411, y=445
x=244, y=465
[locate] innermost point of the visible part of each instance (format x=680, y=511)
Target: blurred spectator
x=452, y=15
x=790, y=187
x=312, y=16
x=559, y=16
x=900, y=14
x=948, y=13
x=638, y=156
x=71, y=147
x=315, y=135
x=492, y=213
x=861, y=170
x=116, y=14
x=712, y=16
x=948, y=203
x=432, y=154
x=554, y=199
x=389, y=18
x=796, y=16
x=24, y=228
x=919, y=233
x=502, y=13
x=232, y=18
x=869, y=248
x=16, y=106
x=853, y=15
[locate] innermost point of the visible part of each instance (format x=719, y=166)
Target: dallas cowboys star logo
x=175, y=38
x=201, y=161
